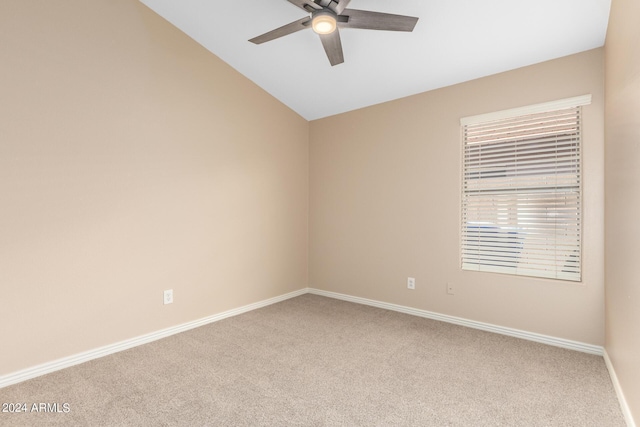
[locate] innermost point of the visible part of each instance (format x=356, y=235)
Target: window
x=522, y=191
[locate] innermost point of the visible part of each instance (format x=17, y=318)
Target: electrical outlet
x=450, y=289
x=168, y=296
x=411, y=283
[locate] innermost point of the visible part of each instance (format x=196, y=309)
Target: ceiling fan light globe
x=323, y=24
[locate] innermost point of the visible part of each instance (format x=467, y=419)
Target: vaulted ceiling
x=454, y=41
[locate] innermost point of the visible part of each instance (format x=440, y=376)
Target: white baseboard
x=56, y=365
x=545, y=339
x=624, y=406
x=66, y=362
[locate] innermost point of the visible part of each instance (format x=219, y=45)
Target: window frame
x=483, y=265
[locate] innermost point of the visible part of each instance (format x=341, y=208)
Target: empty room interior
x=200, y=230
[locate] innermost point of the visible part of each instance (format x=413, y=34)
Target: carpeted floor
x=315, y=361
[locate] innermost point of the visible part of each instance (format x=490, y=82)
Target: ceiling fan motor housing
x=325, y=3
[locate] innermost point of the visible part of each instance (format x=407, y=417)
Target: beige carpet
x=315, y=361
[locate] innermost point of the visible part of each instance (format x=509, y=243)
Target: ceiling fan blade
x=342, y=5
x=333, y=47
x=282, y=31
x=306, y=5
x=378, y=21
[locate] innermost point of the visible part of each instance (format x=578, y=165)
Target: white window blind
x=522, y=190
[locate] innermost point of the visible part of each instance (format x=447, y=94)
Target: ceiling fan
x=326, y=16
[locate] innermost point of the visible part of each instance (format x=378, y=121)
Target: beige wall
x=132, y=161
x=622, y=55
x=385, y=203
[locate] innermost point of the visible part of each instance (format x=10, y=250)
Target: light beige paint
x=132, y=161
x=622, y=58
x=385, y=203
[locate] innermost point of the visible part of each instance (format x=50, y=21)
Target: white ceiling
x=454, y=41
